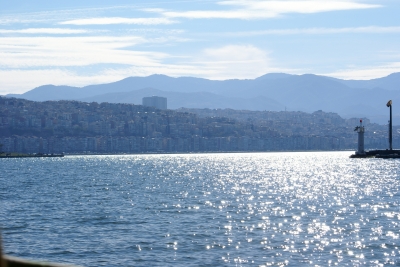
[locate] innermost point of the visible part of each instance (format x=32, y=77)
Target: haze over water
x=253, y=209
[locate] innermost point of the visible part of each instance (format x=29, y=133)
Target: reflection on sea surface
x=256, y=209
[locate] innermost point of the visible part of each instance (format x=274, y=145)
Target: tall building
x=155, y=101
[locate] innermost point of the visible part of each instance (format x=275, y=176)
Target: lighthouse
x=379, y=153
x=360, y=130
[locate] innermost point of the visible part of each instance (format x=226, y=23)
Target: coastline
x=43, y=155
x=36, y=155
x=201, y=152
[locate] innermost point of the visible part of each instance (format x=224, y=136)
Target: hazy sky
x=86, y=42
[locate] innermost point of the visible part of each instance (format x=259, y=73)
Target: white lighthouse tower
x=360, y=130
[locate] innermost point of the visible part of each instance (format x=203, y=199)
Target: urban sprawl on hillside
x=79, y=127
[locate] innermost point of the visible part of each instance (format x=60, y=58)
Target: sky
x=78, y=43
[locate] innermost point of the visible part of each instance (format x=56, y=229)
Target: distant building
x=155, y=101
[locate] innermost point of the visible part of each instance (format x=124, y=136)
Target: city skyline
x=77, y=44
x=79, y=127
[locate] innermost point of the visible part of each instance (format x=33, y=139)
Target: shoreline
x=202, y=152
x=37, y=155
x=43, y=155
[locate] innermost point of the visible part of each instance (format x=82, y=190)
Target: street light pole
x=389, y=104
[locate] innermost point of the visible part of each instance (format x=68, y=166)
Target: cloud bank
x=119, y=20
x=105, y=44
x=249, y=10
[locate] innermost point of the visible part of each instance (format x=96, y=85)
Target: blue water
x=256, y=209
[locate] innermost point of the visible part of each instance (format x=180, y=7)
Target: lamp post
x=389, y=105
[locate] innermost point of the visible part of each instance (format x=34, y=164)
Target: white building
x=155, y=101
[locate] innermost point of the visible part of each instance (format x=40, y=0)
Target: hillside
x=274, y=92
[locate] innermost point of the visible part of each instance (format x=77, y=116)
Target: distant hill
x=274, y=91
x=190, y=100
x=391, y=82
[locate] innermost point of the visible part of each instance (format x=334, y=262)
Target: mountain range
x=274, y=92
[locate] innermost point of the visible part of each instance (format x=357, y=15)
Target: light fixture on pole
x=389, y=105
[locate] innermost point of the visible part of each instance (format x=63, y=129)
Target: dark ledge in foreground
x=384, y=154
x=17, y=262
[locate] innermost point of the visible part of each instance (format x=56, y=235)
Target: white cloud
x=119, y=20
x=56, y=15
x=45, y=62
x=52, y=16
x=34, y=78
x=366, y=73
x=223, y=14
x=27, y=52
x=45, y=31
x=244, y=9
x=368, y=29
x=234, y=62
x=13, y=82
x=299, y=6
x=219, y=63
x=27, y=62
x=227, y=62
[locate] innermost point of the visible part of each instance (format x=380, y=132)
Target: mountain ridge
x=272, y=91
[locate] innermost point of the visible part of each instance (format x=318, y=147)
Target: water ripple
x=256, y=209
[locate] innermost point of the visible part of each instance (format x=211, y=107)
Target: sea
x=233, y=209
